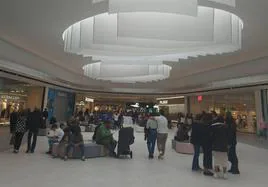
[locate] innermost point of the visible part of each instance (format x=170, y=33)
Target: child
x=55, y=135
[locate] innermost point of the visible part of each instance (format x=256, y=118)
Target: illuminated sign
x=200, y=98
x=164, y=102
x=10, y=97
x=87, y=99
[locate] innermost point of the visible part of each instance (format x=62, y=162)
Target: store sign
x=87, y=99
x=164, y=102
x=62, y=94
x=200, y=98
x=10, y=97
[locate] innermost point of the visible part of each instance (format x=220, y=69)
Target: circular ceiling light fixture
x=132, y=40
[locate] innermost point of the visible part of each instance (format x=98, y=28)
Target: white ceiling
x=31, y=36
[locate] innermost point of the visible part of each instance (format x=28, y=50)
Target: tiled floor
x=30, y=170
x=253, y=139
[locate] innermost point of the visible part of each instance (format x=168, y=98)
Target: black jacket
x=197, y=133
x=219, y=137
x=13, y=121
x=232, y=140
x=34, y=121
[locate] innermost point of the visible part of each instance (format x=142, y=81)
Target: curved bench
x=183, y=147
x=92, y=150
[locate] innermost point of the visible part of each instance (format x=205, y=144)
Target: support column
x=259, y=112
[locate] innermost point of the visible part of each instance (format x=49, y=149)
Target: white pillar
x=258, y=106
x=45, y=97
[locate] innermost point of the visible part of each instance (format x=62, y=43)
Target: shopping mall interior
x=121, y=64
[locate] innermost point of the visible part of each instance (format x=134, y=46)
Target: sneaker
x=151, y=156
x=197, y=169
x=49, y=152
x=83, y=158
x=161, y=157
x=16, y=151
x=65, y=158
x=208, y=173
x=216, y=175
x=32, y=151
x=237, y=172
x=225, y=176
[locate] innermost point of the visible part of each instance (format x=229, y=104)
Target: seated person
x=75, y=140
x=55, y=135
x=105, y=137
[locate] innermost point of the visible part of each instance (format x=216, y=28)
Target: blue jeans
x=72, y=146
x=195, y=165
x=51, y=142
x=152, y=135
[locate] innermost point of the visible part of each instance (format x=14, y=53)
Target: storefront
x=84, y=102
x=15, y=95
x=60, y=104
x=172, y=106
x=241, y=105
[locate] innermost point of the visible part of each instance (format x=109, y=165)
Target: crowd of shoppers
x=216, y=135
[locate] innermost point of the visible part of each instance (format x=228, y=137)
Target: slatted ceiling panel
x=87, y=32
x=159, y=26
x=105, y=29
x=222, y=26
x=225, y=2
x=188, y=7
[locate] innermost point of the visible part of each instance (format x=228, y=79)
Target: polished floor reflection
x=24, y=170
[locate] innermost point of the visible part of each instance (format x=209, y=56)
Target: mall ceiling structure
x=136, y=46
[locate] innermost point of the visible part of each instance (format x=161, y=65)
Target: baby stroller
x=126, y=138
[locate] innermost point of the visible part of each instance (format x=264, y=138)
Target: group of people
x=216, y=135
x=20, y=123
x=156, y=129
x=71, y=137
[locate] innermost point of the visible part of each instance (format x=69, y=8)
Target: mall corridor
x=39, y=169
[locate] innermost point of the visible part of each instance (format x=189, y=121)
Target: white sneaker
x=225, y=176
x=216, y=175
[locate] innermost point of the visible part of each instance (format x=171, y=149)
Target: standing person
x=232, y=142
x=13, y=121
x=162, y=134
x=20, y=129
x=75, y=140
x=34, y=123
x=45, y=116
x=196, y=140
x=116, y=120
x=207, y=144
x=151, y=131
x=220, y=149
